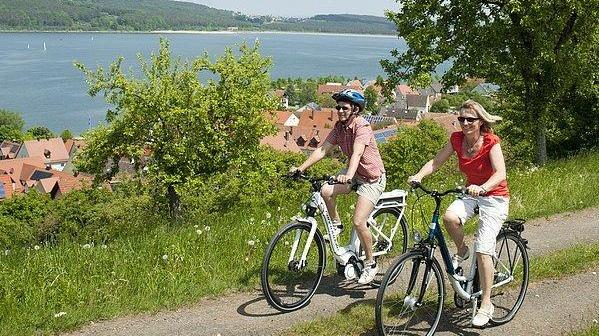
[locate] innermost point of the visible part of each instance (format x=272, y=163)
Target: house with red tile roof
x=283, y=99
x=53, y=151
x=355, y=83
x=9, y=149
x=330, y=88
x=448, y=121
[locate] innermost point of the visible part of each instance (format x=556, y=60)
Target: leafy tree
x=11, y=125
x=189, y=128
x=66, y=135
x=372, y=98
x=40, y=132
x=440, y=106
x=535, y=50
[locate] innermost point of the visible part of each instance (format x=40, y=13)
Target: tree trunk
x=174, y=202
x=541, y=143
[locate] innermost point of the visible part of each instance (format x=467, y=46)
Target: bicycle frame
x=435, y=237
x=342, y=254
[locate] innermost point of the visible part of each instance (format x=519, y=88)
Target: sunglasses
x=344, y=108
x=469, y=119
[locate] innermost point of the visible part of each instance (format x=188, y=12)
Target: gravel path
x=551, y=307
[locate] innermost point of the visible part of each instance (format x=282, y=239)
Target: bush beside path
x=551, y=307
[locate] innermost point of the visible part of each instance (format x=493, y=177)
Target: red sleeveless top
x=478, y=169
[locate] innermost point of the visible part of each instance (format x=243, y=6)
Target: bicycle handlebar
x=434, y=193
x=325, y=178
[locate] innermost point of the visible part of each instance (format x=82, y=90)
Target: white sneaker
x=337, y=229
x=483, y=315
x=368, y=274
x=457, y=259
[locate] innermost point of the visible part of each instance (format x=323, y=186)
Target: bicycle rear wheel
x=288, y=284
x=385, y=220
x=410, y=298
x=511, y=268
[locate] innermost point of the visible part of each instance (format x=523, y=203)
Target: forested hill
x=148, y=15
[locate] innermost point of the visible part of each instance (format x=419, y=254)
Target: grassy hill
x=147, y=15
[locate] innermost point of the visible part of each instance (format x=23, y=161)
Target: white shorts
x=371, y=190
x=493, y=211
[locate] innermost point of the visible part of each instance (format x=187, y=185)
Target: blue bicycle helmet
x=351, y=96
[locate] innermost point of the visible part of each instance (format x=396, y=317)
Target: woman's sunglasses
x=344, y=108
x=469, y=119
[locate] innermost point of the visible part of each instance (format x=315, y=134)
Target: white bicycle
x=294, y=261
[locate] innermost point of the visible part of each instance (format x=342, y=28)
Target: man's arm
x=316, y=155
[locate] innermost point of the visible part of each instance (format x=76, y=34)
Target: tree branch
x=567, y=31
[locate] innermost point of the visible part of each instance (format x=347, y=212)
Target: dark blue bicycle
x=412, y=293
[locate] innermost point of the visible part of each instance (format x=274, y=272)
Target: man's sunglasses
x=344, y=108
x=470, y=119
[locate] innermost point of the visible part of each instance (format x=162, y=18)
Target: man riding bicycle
x=354, y=136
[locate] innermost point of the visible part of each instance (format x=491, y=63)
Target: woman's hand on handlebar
x=343, y=179
x=475, y=190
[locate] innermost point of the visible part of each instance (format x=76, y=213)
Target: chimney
x=331, y=117
x=47, y=153
x=286, y=135
x=290, y=130
x=312, y=113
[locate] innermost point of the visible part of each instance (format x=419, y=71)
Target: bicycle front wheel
x=511, y=273
x=288, y=282
x=410, y=298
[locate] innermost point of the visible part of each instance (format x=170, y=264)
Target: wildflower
x=36, y=247
x=353, y=206
x=165, y=257
x=6, y=252
x=206, y=228
x=286, y=243
x=195, y=226
x=278, y=209
x=86, y=246
x=199, y=232
x=60, y=314
x=251, y=242
x=246, y=258
x=268, y=215
x=263, y=222
x=104, y=246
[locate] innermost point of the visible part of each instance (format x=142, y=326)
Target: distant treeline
x=147, y=15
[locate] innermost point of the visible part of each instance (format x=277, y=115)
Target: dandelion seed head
x=199, y=232
x=165, y=257
x=60, y=314
x=268, y=215
x=247, y=259
x=36, y=247
x=251, y=242
x=86, y=246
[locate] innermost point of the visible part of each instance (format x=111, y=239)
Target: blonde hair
x=487, y=118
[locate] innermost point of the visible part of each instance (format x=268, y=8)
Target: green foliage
x=440, y=106
x=536, y=51
x=301, y=91
x=372, y=98
x=413, y=147
x=189, y=128
x=11, y=125
x=66, y=135
x=39, y=132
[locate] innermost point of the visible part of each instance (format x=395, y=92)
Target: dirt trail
x=551, y=307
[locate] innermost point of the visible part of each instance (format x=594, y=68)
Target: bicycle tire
x=280, y=279
x=511, y=260
x=395, y=311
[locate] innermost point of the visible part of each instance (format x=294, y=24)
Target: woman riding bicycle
x=353, y=134
x=480, y=158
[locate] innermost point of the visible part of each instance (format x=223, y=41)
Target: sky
x=302, y=8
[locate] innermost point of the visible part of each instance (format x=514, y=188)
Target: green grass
x=131, y=276
x=359, y=318
x=592, y=331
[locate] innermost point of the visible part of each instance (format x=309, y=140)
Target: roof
x=383, y=135
x=355, y=83
x=417, y=101
x=325, y=118
x=9, y=149
x=279, y=142
x=14, y=167
x=74, y=144
x=405, y=90
x=447, y=120
x=48, y=184
x=486, y=88
x=53, y=150
x=280, y=93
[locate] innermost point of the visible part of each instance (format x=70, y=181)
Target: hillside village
x=303, y=129
x=46, y=165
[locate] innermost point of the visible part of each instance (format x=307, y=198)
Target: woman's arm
x=316, y=156
x=434, y=164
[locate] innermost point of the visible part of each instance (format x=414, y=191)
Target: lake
x=45, y=87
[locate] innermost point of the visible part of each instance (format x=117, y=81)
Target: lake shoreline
x=206, y=32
